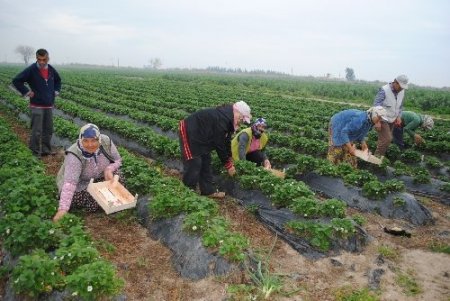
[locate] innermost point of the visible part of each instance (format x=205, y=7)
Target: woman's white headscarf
x=377, y=111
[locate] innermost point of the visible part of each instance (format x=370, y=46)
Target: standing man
x=390, y=97
x=249, y=144
x=44, y=85
x=201, y=133
x=410, y=123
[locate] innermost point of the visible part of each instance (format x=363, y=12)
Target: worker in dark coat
x=204, y=131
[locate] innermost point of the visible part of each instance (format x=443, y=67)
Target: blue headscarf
x=89, y=131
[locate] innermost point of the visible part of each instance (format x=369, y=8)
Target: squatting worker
x=390, y=97
x=44, y=84
x=92, y=156
x=349, y=127
x=410, y=123
x=201, y=133
x=249, y=144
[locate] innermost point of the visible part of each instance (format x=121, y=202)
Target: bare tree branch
x=26, y=52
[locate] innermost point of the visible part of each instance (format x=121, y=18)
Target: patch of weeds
x=241, y=292
x=125, y=216
x=142, y=262
x=424, y=200
x=347, y=293
x=407, y=282
x=388, y=252
x=440, y=247
x=264, y=282
x=103, y=245
x=253, y=209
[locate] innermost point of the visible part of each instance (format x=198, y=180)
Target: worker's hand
x=30, y=94
x=231, y=171
x=59, y=215
x=56, y=93
x=108, y=174
x=418, y=139
x=377, y=126
x=350, y=148
x=267, y=164
x=398, y=122
x=364, y=146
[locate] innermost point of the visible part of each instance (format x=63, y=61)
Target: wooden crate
x=111, y=195
x=366, y=156
x=278, y=173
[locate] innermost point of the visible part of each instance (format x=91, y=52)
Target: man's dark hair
x=41, y=52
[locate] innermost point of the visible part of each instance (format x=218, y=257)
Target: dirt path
x=146, y=266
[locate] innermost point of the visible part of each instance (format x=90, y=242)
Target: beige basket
x=366, y=156
x=111, y=195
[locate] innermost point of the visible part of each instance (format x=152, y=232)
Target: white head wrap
x=378, y=111
x=427, y=122
x=243, y=108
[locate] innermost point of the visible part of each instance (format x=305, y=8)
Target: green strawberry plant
x=36, y=274
x=94, y=280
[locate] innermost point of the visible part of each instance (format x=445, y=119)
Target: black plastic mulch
x=410, y=209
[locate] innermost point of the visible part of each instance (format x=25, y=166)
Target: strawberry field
x=319, y=210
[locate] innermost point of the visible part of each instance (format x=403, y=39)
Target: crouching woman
x=92, y=156
x=349, y=127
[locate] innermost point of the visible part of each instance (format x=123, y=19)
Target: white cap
x=402, y=80
x=243, y=108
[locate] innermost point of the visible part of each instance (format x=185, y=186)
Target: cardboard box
x=111, y=195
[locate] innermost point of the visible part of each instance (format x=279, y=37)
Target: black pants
x=41, y=130
x=397, y=135
x=256, y=157
x=198, y=171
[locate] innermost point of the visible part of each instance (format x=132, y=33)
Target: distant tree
x=26, y=52
x=349, y=74
x=155, y=63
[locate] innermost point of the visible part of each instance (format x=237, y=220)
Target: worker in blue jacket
x=44, y=84
x=349, y=127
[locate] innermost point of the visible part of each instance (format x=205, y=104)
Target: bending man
x=201, y=133
x=410, y=123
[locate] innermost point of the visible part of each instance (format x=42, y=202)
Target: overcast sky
x=378, y=39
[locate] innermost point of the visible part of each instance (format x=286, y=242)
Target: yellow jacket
x=235, y=142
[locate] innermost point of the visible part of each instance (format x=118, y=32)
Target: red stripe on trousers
x=184, y=139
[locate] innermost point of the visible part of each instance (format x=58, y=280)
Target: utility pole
x=117, y=63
